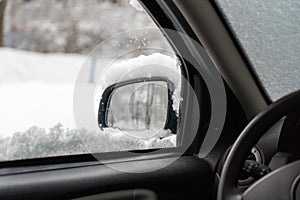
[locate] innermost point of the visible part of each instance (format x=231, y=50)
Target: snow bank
x=56, y=141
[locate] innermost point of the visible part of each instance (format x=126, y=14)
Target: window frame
x=166, y=16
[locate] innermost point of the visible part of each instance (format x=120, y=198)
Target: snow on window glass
x=269, y=32
x=44, y=46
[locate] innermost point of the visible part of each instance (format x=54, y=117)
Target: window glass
x=43, y=48
x=269, y=33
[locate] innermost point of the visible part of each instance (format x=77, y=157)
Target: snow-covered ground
x=36, y=106
x=23, y=66
x=36, y=89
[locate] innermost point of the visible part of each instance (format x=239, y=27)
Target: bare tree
x=2, y=9
x=149, y=103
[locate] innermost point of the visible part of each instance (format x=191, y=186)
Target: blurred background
x=68, y=26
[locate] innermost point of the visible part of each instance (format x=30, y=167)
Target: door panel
x=187, y=178
x=136, y=194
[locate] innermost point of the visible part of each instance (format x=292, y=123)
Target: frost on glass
x=269, y=32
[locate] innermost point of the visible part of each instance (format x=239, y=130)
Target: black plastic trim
x=167, y=16
x=187, y=178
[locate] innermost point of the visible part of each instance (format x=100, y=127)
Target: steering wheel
x=282, y=183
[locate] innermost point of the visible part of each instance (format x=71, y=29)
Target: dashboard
x=261, y=153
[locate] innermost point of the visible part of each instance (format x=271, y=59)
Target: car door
x=199, y=116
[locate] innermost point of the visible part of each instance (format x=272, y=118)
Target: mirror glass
x=139, y=106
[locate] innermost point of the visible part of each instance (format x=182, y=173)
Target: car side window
x=52, y=52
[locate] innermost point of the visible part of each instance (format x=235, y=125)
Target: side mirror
x=142, y=105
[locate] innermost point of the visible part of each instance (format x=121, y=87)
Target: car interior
x=256, y=155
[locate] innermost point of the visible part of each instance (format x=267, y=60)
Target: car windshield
x=269, y=33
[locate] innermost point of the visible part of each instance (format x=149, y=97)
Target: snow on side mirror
x=141, y=105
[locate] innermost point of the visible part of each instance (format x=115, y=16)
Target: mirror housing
x=171, y=121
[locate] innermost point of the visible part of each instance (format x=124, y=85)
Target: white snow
x=35, y=104
x=37, y=94
x=21, y=66
x=36, y=89
x=155, y=65
x=135, y=4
